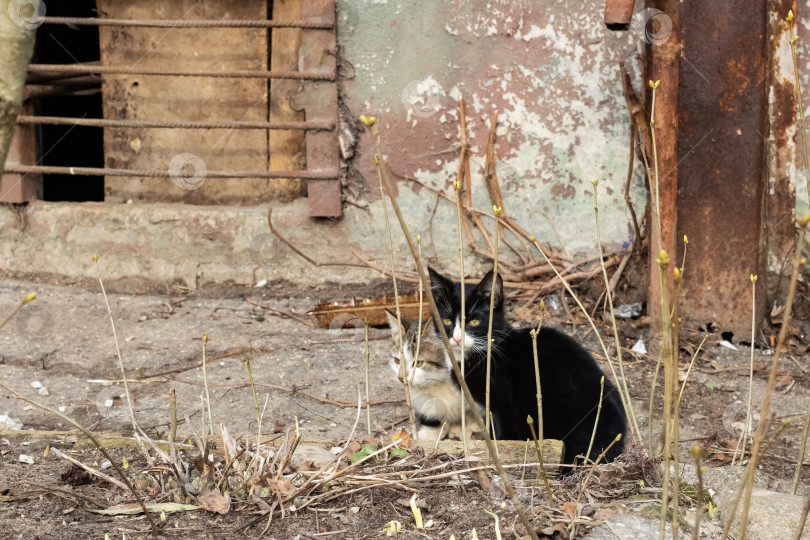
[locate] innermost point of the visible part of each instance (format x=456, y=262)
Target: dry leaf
x=557, y=532
x=570, y=508
x=420, y=503
x=214, y=501
x=404, y=438
x=283, y=487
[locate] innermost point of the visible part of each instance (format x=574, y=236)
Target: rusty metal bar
x=132, y=70
x=180, y=23
x=662, y=63
x=100, y=171
x=618, y=14
x=106, y=122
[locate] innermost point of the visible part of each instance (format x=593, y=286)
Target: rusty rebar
x=101, y=171
x=133, y=70
x=179, y=23
x=109, y=122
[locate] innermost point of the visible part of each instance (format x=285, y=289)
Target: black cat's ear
x=397, y=329
x=438, y=283
x=486, y=287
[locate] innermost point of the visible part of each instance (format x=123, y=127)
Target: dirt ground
x=64, y=342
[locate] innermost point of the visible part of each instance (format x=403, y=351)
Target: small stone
x=24, y=458
x=332, y=424
x=190, y=489
x=261, y=283
x=43, y=391
x=10, y=423
x=317, y=455
x=36, y=384
x=62, y=408
x=106, y=465
x=772, y=515
x=355, y=509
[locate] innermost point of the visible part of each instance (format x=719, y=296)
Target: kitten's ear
x=395, y=326
x=427, y=325
x=438, y=283
x=485, y=288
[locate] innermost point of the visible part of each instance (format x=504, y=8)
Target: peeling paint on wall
x=551, y=73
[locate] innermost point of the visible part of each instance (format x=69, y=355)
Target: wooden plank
x=16, y=187
x=319, y=99
x=144, y=97
x=287, y=148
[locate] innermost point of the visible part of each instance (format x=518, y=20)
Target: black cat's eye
x=447, y=322
x=474, y=322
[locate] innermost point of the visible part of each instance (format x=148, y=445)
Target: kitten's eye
x=447, y=322
x=396, y=360
x=474, y=322
x=420, y=363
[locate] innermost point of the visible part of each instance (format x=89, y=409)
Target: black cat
x=569, y=376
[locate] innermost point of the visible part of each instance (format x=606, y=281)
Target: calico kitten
x=569, y=377
x=435, y=394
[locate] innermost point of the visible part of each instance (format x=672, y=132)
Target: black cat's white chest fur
x=569, y=376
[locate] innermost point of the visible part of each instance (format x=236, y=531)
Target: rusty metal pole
x=662, y=63
x=722, y=152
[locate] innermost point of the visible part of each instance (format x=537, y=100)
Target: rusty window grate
x=318, y=72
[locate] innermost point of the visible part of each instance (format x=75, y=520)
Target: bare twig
x=94, y=258
x=298, y=251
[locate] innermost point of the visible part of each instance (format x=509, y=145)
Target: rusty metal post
x=780, y=204
x=722, y=142
x=717, y=136
x=662, y=63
